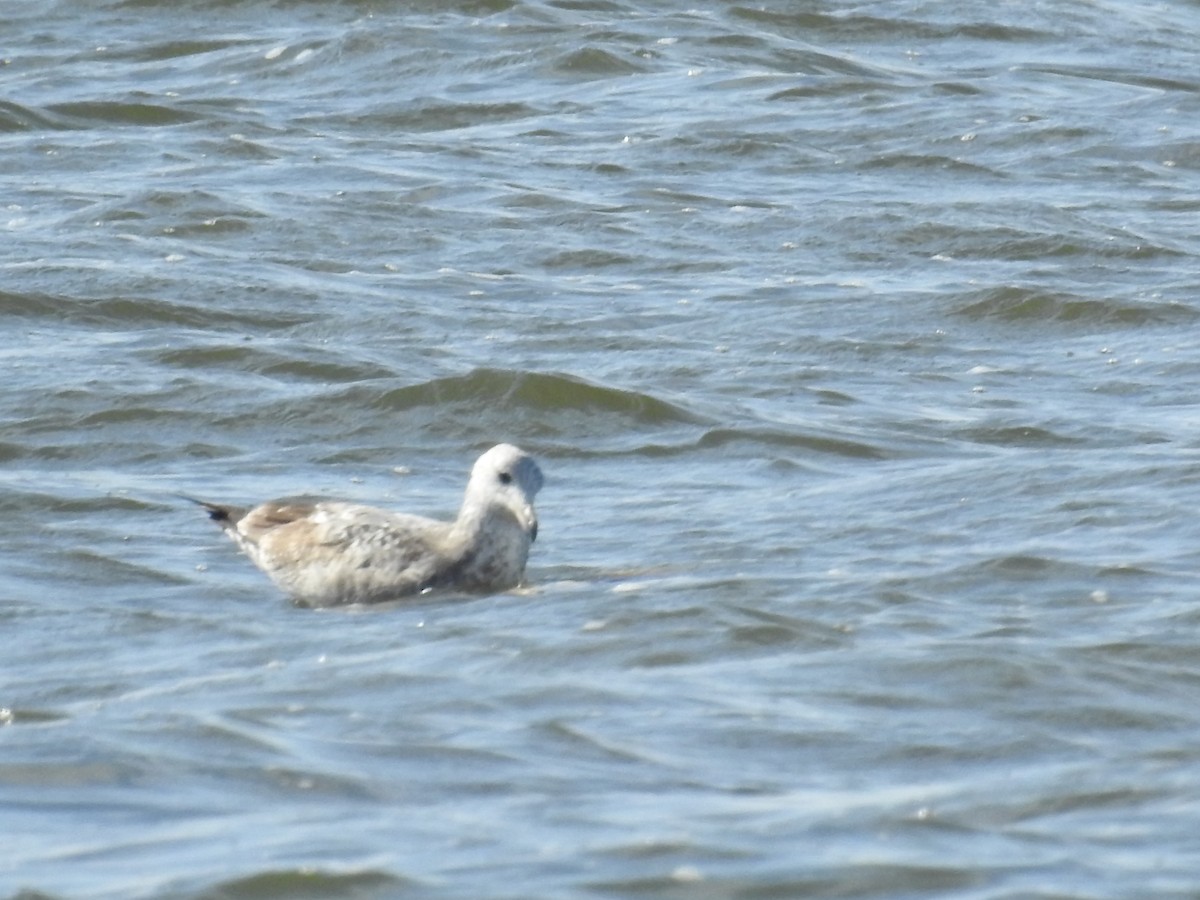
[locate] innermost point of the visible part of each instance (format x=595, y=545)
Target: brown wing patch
x=269, y=516
x=273, y=515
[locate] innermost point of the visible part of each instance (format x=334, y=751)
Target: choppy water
x=859, y=344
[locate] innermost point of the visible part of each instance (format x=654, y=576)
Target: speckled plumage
x=330, y=553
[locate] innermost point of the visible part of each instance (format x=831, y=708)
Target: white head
x=507, y=477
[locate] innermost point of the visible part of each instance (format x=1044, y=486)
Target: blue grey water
x=860, y=345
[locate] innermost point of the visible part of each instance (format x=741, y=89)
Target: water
x=857, y=342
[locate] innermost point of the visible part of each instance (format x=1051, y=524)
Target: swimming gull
x=330, y=553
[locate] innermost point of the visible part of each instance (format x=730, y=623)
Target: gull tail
x=224, y=515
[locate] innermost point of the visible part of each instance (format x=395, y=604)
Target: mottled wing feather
x=269, y=516
x=354, y=553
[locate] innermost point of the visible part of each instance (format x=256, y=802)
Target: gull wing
x=329, y=552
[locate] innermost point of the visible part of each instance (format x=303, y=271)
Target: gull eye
x=505, y=478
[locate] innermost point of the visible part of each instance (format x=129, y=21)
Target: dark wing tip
x=218, y=512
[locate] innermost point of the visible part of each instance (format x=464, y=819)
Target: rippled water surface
x=860, y=345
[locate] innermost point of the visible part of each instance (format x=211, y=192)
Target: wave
x=83, y=114
x=1028, y=304
x=128, y=311
x=305, y=882
x=484, y=389
x=560, y=407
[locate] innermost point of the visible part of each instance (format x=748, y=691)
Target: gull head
x=507, y=477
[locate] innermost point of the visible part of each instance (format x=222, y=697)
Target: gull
x=332, y=553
